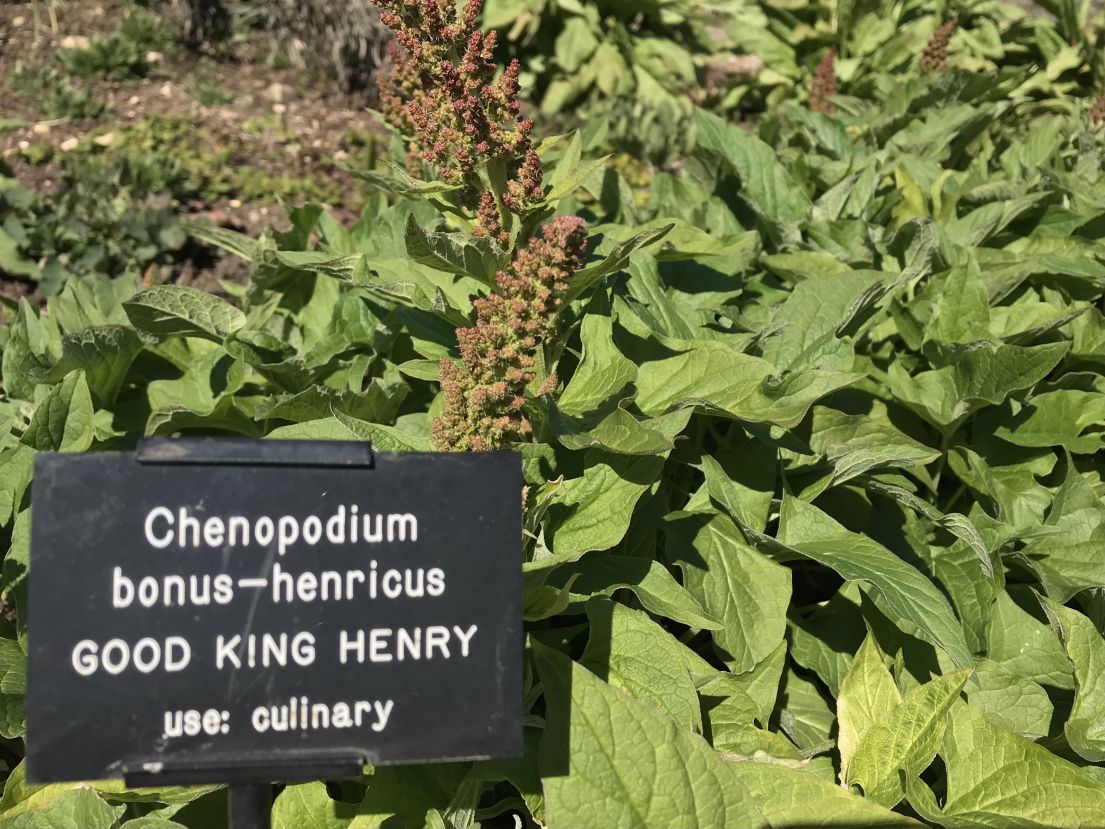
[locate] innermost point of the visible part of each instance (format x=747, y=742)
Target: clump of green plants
x=122, y=55
x=166, y=154
x=812, y=429
x=106, y=217
x=54, y=94
x=207, y=92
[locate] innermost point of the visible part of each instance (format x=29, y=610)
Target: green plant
x=122, y=55
x=634, y=65
x=54, y=95
x=207, y=92
x=107, y=217
x=815, y=505
x=114, y=57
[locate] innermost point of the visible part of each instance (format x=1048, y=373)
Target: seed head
x=934, y=58
x=444, y=92
x=485, y=392
x=823, y=85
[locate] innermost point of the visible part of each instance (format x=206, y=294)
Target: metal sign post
x=250, y=806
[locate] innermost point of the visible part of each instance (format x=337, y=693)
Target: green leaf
x=384, y=438
x=857, y=444
x=309, y=806
x=610, y=761
x=74, y=808
x=619, y=432
x=799, y=798
x=602, y=373
x=16, y=466
x=765, y=182
x=825, y=637
x=979, y=377
x=1066, y=550
x=1085, y=727
x=997, y=779
x=90, y=302
x=747, y=591
x=28, y=339
x=814, y=315
x=175, y=311
x=447, y=252
x=1057, y=418
x=1012, y=702
x=723, y=381
x=745, y=490
x=867, y=696
x=631, y=652
x=104, y=353
x=614, y=261
x=962, y=312
x=570, y=172
x=907, y=592
x=62, y=422
x=241, y=245
x=592, y=512
x=651, y=582
x=1024, y=645
x=345, y=267
x=905, y=741
x=401, y=796
x=22, y=798
x=803, y=714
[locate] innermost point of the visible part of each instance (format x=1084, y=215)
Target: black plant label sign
x=196, y=616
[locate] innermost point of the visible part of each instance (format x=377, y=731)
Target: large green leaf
x=793, y=798
x=75, y=807
x=867, y=696
x=1066, y=550
x=1012, y=702
x=747, y=591
x=309, y=806
x=907, y=591
x=104, y=353
x=62, y=422
x=808, y=322
x=857, y=444
x=903, y=743
x=1057, y=418
x=602, y=373
x=608, y=760
x=979, y=377
x=765, y=182
x=1025, y=645
x=651, y=582
x=176, y=311
x=723, y=381
x=1085, y=727
x=997, y=779
x=631, y=652
x=592, y=512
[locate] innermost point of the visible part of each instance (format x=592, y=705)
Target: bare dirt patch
x=271, y=135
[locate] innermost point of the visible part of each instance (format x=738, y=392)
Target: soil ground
x=276, y=122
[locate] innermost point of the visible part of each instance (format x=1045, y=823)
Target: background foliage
x=815, y=515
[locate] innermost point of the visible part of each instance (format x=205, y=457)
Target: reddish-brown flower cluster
x=934, y=58
x=443, y=90
x=1097, y=111
x=823, y=85
x=444, y=93
x=485, y=392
